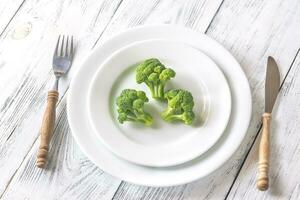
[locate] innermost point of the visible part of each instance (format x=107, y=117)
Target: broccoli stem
x=146, y=119
x=132, y=119
x=156, y=89
x=141, y=116
x=173, y=117
x=151, y=87
x=158, y=92
x=167, y=113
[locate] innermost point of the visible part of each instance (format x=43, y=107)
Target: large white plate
x=190, y=171
x=175, y=143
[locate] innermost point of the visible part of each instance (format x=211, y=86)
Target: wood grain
x=251, y=31
x=264, y=154
x=8, y=9
x=26, y=73
x=284, y=146
x=68, y=174
x=196, y=14
x=47, y=128
x=31, y=173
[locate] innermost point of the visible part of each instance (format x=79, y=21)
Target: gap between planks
x=5, y=27
x=60, y=99
x=24, y=158
x=207, y=28
x=257, y=134
x=67, y=87
x=287, y=65
x=264, y=49
x=94, y=45
x=213, y=18
x=118, y=6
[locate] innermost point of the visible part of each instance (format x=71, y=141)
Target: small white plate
x=205, y=164
x=175, y=143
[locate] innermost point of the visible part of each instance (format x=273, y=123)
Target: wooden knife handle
x=264, y=152
x=47, y=127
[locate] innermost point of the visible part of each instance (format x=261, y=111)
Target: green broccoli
x=155, y=75
x=131, y=107
x=180, y=106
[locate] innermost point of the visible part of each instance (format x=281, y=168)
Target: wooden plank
x=69, y=175
x=250, y=30
x=216, y=186
x=30, y=177
x=284, y=146
x=196, y=14
x=8, y=9
x=26, y=49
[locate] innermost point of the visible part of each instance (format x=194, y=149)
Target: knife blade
x=271, y=91
x=272, y=84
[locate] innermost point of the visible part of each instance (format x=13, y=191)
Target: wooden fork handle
x=264, y=152
x=47, y=127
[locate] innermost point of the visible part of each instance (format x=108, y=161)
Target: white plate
x=174, y=143
x=190, y=171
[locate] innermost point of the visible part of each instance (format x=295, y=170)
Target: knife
x=271, y=92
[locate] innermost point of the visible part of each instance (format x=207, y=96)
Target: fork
x=62, y=61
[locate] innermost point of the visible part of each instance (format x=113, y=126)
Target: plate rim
x=165, y=28
x=187, y=156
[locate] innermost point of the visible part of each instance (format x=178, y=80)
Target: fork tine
x=67, y=47
x=72, y=48
x=57, y=44
x=62, y=46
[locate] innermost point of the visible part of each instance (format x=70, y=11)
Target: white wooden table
x=250, y=29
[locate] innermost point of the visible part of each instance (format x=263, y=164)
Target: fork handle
x=47, y=128
x=264, y=151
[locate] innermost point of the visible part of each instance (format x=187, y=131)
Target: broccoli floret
x=131, y=107
x=180, y=106
x=155, y=75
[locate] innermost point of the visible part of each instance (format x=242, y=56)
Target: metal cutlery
x=271, y=91
x=62, y=61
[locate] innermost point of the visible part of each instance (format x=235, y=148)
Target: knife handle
x=264, y=152
x=47, y=128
